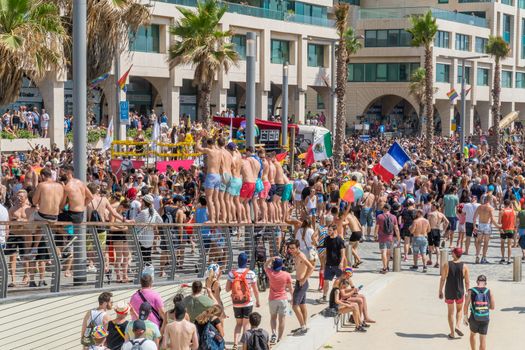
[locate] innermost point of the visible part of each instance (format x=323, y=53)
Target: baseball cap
x=242, y=260
x=349, y=270
x=277, y=264
x=231, y=146
x=457, y=252
x=139, y=325
x=99, y=332
x=144, y=310
x=148, y=199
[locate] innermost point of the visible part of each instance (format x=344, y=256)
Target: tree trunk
x=204, y=105
x=420, y=131
x=429, y=92
x=340, y=90
x=496, y=90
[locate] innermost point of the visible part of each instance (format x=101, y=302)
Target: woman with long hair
x=213, y=283
x=146, y=233
x=120, y=244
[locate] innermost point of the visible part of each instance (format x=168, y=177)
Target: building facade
x=302, y=34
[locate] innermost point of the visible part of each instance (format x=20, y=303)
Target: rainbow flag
x=452, y=94
x=93, y=83
x=123, y=79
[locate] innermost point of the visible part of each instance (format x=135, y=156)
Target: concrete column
x=263, y=58
x=261, y=105
x=446, y=112
x=108, y=88
x=172, y=105
x=469, y=119
x=485, y=115
x=298, y=102
x=52, y=91
x=218, y=99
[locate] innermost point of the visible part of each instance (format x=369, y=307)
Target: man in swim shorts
x=212, y=182
x=249, y=170
x=485, y=214
x=225, y=199
x=234, y=188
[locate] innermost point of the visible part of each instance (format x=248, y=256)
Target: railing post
x=99, y=283
x=139, y=254
x=203, y=251
x=249, y=245
x=516, y=269
x=55, y=277
x=5, y=275
x=229, y=263
x=169, y=238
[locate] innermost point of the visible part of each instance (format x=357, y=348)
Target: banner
x=116, y=166
x=175, y=164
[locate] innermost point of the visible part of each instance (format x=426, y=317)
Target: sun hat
x=122, y=308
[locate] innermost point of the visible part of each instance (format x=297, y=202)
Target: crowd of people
x=449, y=198
x=34, y=120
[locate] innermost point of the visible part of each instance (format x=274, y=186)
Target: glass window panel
x=382, y=38
x=506, y=79
x=381, y=72
x=404, y=69
x=442, y=73
x=393, y=37
x=520, y=80
x=239, y=42
x=406, y=38
x=393, y=72
x=370, y=38
x=370, y=72
x=483, y=77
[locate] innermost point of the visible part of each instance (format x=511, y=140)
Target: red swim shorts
x=457, y=301
x=247, y=190
x=264, y=193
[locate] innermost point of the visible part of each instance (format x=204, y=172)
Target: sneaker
x=424, y=269
x=437, y=265
x=300, y=332
x=502, y=261
x=273, y=339
x=42, y=283
x=32, y=284
x=413, y=267
x=484, y=261
x=477, y=259
x=509, y=262
x=322, y=300
x=360, y=329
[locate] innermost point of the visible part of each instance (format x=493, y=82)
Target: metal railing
x=263, y=13
x=404, y=12
x=42, y=257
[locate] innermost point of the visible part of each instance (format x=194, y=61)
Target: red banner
x=175, y=164
x=117, y=170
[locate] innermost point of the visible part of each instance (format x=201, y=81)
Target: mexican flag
x=321, y=149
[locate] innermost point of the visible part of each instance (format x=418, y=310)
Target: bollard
x=397, y=259
x=349, y=257
x=443, y=259
x=516, y=269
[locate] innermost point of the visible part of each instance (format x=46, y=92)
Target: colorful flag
x=321, y=149
x=467, y=91
x=123, y=79
x=109, y=137
x=391, y=163
x=452, y=94
x=93, y=83
x=155, y=135
x=281, y=156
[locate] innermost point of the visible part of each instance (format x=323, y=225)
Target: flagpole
x=463, y=110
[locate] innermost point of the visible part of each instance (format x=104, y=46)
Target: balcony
x=405, y=12
x=263, y=13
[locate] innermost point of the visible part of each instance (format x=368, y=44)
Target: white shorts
x=278, y=307
x=461, y=228
x=484, y=229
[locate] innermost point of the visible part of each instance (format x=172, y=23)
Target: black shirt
x=114, y=339
x=333, y=250
x=200, y=327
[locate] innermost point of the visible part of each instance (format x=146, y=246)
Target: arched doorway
x=141, y=95
x=394, y=113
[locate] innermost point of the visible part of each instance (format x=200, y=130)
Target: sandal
x=460, y=333
x=11, y=285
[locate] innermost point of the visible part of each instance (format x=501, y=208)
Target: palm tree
x=201, y=43
x=341, y=24
x=416, y=88
x=498, y=48
x=31, y=42
x=423, y=30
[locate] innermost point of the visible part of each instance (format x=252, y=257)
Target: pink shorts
x=264, y=193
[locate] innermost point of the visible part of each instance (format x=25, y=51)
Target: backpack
x=388, y=225
x=95, y=217
x=88, y=339
x=480, y=304
x=210, y=338
x=136, y=345
x=517, y=193
x=258, y=341
x=240, y=289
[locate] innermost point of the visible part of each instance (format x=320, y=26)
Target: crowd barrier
x=58, y=257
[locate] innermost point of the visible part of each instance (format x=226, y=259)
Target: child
x=255, y=337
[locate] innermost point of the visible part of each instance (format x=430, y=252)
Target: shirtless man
x=31, y=178
x=249, y=170
x=234, y=188
x=212, y=183
x=419, y=229
x=485, y=214
x=355, y=237
x=271, y=204
x=76, y=197
x=437, y=221
x=303, y=270
x=367, y=211
x=280, y=183
x=17, y=237
x=47, y=199
x=225, y=199
x=180, y=334
x=263, y=196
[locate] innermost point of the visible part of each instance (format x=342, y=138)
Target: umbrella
x=351, y=191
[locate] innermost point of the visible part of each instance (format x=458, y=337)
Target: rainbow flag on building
x=452, y=95
x=123, y=79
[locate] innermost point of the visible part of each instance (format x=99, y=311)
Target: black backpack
x=388, y=224
x=258, y=341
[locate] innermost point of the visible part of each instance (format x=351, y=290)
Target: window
x=523, y=38
x=147, y=39
x=280, y=51
x=442, y=39
x=239, y=42
x=309, y=10
x=387, y=38
x=320, y=101
x=483, y=77
x=442, y=73
x=506, y=79
x=507, y=2
x=520, y=80
x=507, y=26
x=467, y=75
x=521, y=4
x=381, y=72
x=462, y=42
x=315, y=55
x=481, y=44
x=442, y=1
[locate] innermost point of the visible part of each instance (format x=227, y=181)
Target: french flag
x=391, y=163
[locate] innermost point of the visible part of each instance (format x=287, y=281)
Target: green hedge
x=21, y=134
